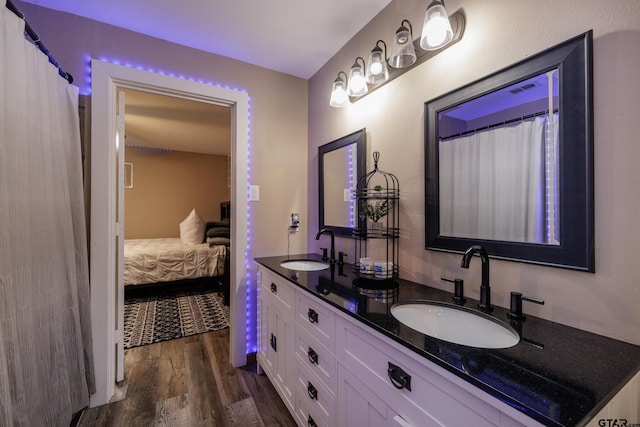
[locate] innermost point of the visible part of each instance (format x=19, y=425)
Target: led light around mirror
x=436, y=31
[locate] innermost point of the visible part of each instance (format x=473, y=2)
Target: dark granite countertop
x=557, y=375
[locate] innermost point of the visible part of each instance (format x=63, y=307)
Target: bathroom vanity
x=337, y=358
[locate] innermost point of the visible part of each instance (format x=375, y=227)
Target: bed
x=169, y=259
x=180, y=262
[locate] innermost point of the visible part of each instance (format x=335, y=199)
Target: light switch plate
x=254, y=193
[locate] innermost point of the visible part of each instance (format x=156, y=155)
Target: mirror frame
x=573, y=59
x=358, y=138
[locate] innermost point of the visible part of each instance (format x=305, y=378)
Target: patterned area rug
x=166, y=316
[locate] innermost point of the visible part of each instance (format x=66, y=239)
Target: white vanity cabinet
x=276, y=351
x=333, y=370
x=422, y=394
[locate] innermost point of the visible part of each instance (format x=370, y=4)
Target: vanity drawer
x=316, y=357
x=317, y=319
x=308, y=415
x=313, y=397
x=278, y=288
x=432, y=398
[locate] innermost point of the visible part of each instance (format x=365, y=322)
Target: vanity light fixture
x=339, y=97
x=357, y=85
x=377, y=70
x=436, y=31
x=439, y=33
x=403, y=54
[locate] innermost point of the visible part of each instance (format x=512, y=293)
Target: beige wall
x=499, y=33
x=167, y=186
x=278, y=108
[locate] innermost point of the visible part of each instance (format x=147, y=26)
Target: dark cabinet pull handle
x=313, y=393
x=311, y=422
x=313, y=356
x=399, y=378
x=274, y=288
x=274, y=342
x=313, y=316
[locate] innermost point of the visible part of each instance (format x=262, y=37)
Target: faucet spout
x=485, y=288
x=332, y=258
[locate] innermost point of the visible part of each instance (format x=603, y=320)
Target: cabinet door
x=265, y=354
x=357, y=404
x=276, y=350
x=283, y=351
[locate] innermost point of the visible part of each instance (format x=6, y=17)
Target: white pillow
x=192, y=229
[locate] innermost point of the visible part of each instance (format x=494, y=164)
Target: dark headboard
x=225, y=210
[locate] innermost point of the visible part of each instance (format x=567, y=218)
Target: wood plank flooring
x=189, y=382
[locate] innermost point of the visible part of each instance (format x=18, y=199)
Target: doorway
x=105, y=300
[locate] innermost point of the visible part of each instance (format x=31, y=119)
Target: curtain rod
x=494, y=125
x=36, y=40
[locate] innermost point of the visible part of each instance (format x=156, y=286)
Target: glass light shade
x=357, y=81
x=339, y=97
x=403, y=54
x=377, y=71
x=436, y=31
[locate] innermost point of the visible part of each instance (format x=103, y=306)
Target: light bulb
x=436, y=30
x=375, y=68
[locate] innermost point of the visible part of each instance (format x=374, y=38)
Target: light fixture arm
x=355, y=64
x=410, y=27
x=340, y=78
x=377, y=48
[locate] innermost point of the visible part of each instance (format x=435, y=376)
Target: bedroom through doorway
x=177, y=192
x=107, y=231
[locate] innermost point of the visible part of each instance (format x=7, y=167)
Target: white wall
x=499, y=33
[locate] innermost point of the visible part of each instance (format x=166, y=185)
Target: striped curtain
x=46, y=372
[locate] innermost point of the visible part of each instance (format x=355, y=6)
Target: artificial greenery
x=374, y=211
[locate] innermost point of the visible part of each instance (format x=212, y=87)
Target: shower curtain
x=496, y=181
x=46, y=372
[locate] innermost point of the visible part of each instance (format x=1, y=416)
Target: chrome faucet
x=485, y=289
x=332, y=258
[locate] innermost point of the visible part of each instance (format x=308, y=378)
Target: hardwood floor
x=189, y=382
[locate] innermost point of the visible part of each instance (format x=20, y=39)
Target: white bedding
x=168, y=259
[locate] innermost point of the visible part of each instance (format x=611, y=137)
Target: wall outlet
x=294, y=222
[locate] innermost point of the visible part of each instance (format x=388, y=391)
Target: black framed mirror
x=509, y=161
x=340, y=164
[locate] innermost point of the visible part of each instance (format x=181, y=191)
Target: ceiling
x=155, y=122
x=295, y=37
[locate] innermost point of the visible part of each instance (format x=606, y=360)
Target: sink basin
x=304, y=265
x=456, y=324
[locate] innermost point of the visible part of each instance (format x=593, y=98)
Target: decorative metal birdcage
x=377, y=197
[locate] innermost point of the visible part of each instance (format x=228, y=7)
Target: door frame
x=105, y=79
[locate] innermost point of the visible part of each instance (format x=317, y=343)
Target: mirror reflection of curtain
x=46, y=372
x=496, y=180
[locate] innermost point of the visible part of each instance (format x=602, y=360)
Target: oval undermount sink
x=456, y=324
x=304, y=265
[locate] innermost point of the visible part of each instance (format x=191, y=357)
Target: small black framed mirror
x=509, y=161
x=340, y=164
